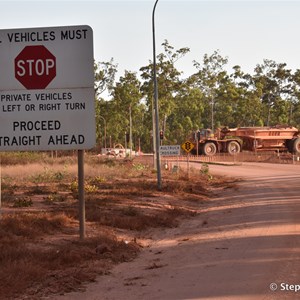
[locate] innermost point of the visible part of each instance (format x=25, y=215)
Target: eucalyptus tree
x=294, y=99
x=187, y=114
x=126, y=105
x=208, y=79
x=169, y=84
x=104, y=73
x=274, y=85
x=104, y=78
x=248, y=111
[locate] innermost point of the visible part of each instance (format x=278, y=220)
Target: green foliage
x=205, y=171
x=54, y=197
x=74, y=186
x=22, y=202
x=22, y=158
x=7, y=184
x=139, y=167
x=88, y=187
x=210, y=97
x=98, y=180
x=48, y=176
x=105, y=73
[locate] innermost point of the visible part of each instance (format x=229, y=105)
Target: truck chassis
x=235, y=140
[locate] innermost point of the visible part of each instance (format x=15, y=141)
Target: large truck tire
x=209, y=149
x=233, y=147
x=296, y=146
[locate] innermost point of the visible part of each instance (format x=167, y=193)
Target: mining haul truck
x=234, y=140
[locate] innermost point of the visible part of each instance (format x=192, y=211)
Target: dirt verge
x=40, y=250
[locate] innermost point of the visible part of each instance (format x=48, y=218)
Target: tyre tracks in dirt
x=244, y=240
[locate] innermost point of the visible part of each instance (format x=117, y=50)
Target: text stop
x=35, y=67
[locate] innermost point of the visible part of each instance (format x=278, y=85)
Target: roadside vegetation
x=40, y=249
x=213, y=96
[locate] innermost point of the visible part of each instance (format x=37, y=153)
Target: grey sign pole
x=81, y=194
x=156, y=131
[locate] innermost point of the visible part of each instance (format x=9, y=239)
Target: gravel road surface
x=245, y=244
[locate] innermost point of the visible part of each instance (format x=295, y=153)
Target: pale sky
x=244, y=31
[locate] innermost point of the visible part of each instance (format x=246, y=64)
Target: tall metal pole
x=153, y=135
x=156, y=129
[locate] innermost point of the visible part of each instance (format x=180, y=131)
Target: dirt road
x=246, y=239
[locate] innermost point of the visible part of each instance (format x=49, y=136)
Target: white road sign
x=47, y=89
x=169, y=150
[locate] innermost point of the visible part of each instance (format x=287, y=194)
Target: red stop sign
x=35, y=67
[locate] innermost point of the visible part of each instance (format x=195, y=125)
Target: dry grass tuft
x=32, y=225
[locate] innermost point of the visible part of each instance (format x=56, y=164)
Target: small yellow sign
x=187, y=146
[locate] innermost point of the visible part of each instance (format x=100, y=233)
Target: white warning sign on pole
x=47, y=89
x=169, y=150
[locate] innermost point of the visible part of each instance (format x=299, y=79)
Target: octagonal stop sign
x=35, y=67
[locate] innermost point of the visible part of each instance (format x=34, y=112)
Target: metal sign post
x=188, y=147
x=47, y=93
x=188, y=165
x=81, y=198
x=156, y=123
